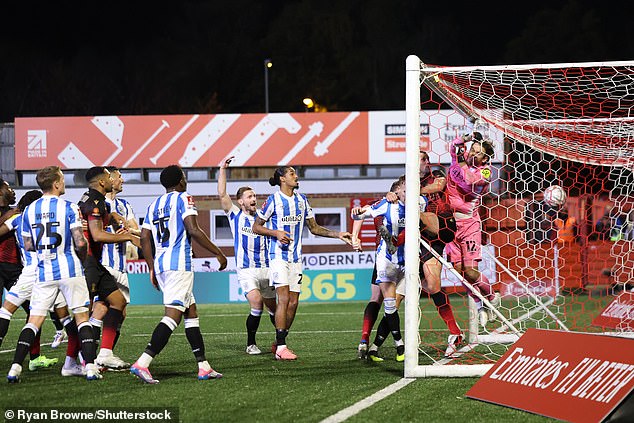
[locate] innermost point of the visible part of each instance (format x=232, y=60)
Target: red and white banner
x=335, y=138
x=576, y=377
x=619, y=314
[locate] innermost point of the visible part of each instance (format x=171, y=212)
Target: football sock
x=280, y=337
x=160, y=336
x=392, y=318
x=110, y=324
x=253, y=322
x=5, y=319
x=35, y=346
x=87, y=342
x=72, y=348
x=27, y=336
x=484, y=286
x=370, y=315
x=195, y=338
x=118, y=334
x=272, y=318
x=381, y=332
x=56, y=321
x=96, y=327
x=441, y=301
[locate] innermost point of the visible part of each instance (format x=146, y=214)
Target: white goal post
x=412, y=167
x=572, y=117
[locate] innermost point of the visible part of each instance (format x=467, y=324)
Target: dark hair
x=95, y=171
x=47, y=176
x=171, y=176
x=424, y=153
x=487, y=145
x=241, y=191
x=395, y=185
x=112, y=169
x=28, y=198
x=279, y=172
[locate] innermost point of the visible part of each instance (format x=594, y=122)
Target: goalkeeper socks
x=370, y=315
x=110, y=324
x=195, y=338
x=441, y=301
x=484, y=286
x=35, y=346
x=87, y=342
x=27, y=336
x=253, y=322
x=58, y=324
x=160, y=336
x=5, y=319
x=280, y=337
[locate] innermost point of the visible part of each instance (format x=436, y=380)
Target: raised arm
x=225, y=199
x=192, y=228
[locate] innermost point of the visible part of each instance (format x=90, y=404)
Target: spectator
x=566, y=226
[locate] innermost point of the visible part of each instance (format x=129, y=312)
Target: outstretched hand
x=346, y=237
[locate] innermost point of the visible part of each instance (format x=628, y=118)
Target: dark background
x=138, y=57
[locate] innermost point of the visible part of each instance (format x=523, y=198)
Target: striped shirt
x=48, y=221
x=14, y=223
x=288, y=214
x=166, y=219
x=113, y=255
x=394, y=221
x=251, y=250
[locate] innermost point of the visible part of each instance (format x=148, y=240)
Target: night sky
x=139, y=57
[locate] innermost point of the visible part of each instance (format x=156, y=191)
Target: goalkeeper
x=469, y=179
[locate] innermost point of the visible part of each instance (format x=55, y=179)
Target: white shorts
x=388, y=272
x=122, y=282
x=21, y=291
x=74, y=290
x=177, y=287
x=255, y=278
x=283, y=273
x=23, y=288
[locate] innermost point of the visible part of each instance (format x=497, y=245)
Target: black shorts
x=446, y=234
x=9, y=274
x=100, y=282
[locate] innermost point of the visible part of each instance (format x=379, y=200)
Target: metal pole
x=267, y=62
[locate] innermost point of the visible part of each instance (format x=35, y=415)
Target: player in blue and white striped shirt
x=285, y=213
x=390, y=267
x=251, y=254
x=52, y=228
x=169, y=225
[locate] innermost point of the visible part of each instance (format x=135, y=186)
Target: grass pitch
x=325, y=379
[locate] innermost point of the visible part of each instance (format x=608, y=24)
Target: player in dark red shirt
x=102, y=286
x=10, y=262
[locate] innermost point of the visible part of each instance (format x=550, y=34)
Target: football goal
x=557, y=216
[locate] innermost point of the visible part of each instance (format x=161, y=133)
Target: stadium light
x=267, y=64
x=308, y=103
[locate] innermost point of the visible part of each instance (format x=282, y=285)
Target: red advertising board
x=192, y=140
x=619, y=314
x=576, y=377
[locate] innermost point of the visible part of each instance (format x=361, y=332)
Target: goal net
x=557, y=262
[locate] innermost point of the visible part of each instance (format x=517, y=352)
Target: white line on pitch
x=356, y=408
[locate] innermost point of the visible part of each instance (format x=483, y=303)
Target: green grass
x=326, y=378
